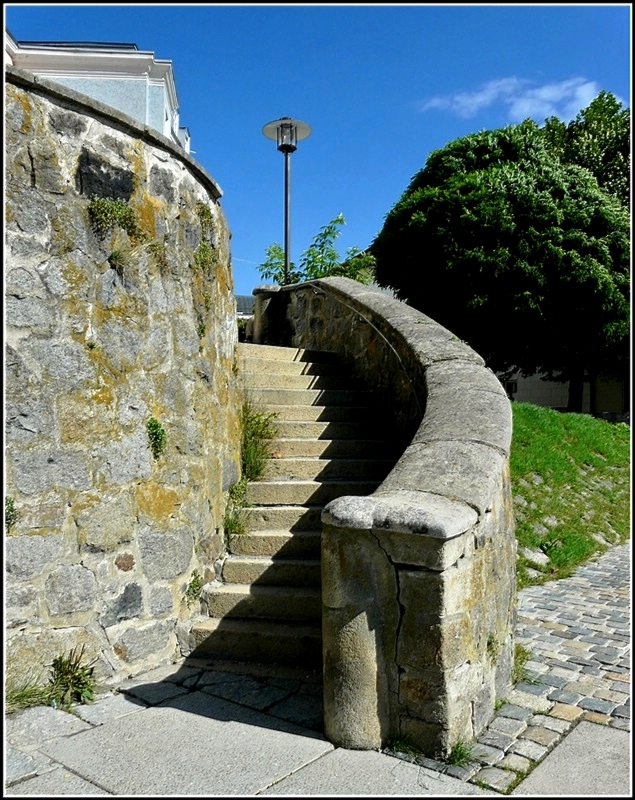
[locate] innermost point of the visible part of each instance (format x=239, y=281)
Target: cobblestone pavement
x=578, y=633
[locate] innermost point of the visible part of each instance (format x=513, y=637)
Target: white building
x=130, y=80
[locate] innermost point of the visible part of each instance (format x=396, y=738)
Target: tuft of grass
x=71, y=680
x=30, y=693
x=235, y=519
x=258, y=429
x=570, y=478
x=521, y=657
x=460, y=755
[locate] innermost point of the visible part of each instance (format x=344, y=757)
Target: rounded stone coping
x=444, y=481
x=87, y=105
x=418, y=513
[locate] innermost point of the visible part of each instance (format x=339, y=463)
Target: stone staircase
x=267, y=605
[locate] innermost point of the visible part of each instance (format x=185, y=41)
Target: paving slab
x=230, y=749
x=591, y=760
x=56, y=782
x=369, y=773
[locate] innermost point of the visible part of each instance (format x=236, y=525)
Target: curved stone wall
x=117, y=313
x=418, y=580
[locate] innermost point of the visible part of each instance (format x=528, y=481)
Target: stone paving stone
x=622, y=711
x=622, y=724
x=568, y=698
x=529, y=701
x=537, y=689
x=507, y=725
x=541, y=736
x=486, y=754
x=593, y=704
x=155, y=693
x=516, y=762
x=611, y=696
x=569, y=713
x=498, y=779
x=552, y=723
x=553, y=680
x=501, y=741
x=463, y=773
x=594, y=716
x=514, y=712
x=248, y=692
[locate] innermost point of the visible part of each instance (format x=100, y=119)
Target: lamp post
x=286, y=132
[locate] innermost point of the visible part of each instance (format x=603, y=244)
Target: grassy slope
x=571, y=487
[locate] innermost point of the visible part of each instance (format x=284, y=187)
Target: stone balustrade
x=418, y=579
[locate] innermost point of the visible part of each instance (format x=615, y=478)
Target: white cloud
x=563, y=100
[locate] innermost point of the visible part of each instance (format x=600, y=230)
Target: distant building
x=130, y=80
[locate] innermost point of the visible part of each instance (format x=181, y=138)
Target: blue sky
x=381, y=86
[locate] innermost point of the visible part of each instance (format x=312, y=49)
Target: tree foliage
x=598, y=139
x=518, y=253
x=320, y=259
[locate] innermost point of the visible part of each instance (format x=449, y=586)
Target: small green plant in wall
x=194, y=586
x=204, y=217
x=156, y=436
x=106, y=213
x=10, y=513
x=235, y=519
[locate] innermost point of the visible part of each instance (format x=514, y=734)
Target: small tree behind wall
x=320, y=259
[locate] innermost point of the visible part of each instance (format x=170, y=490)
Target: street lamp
x=286, y=132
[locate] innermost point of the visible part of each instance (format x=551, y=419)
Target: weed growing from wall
x=105, y=214
x=194, y=586
x=156, y=436
x=204, y=217
x=235, y=519
x=71, y=680
x=205, y=258
x=157, y=250
x=11, y=514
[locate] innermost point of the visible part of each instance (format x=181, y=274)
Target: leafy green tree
x=522, y=256
x=320, y=259
x=599, y=138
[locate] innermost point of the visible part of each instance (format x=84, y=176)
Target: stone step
x=273, y=380
x=272, y=571
x=277, y=353
x=250, y=366
x=320, y=469
x=258, y=641
x=276, y=493
x=356, y=418
x=294, y=518
x=331, y=448
x=311, y=397
x=246, y=601
x=267, y=543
